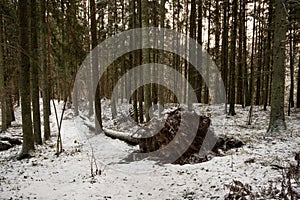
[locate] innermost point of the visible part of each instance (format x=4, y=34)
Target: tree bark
x=277, y=118
x=298, y=86
x=146, y=60
x=232, y=60
x=95, y=70
x=45, y=70
x=2, y=79
x=28, y=140
x=34, y=75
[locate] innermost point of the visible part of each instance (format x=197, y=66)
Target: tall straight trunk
x=45, y=70
x=298, y=85
x=268, y=55
x=185, y=67
x=292, y=70
x=251, y=84
x=246, y=95
x=112, y=15
x=28, y=139
x=35, y=74
x=217, y=49
x=277, y=118
x=199, y=79
x=161, y=93
x=2, y=79
x=206, y=91
x=224, y=61
x=240, y=59
x=133, y=57
x=146, y=59
x=140, y=61
x=191, y=51
x=259, y=59
x=95, y=70
x=232, y=59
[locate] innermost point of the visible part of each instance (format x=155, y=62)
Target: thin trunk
x=206, y=91
x=298, y=86
x=161, y=93
x=259, y=59
x=224, y=61
x=28, y=139
x=2, y=79
x=240, y=59
x=191, y=51
x=268, y=55
x=291, y=97
x=146, y=60
x=35, y=74
x=232, y=60
x=45, y=71
x=140, y=61
x=199, y=52
x=95, y=70
x=251, y=85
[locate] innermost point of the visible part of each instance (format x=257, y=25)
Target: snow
x=46, y=176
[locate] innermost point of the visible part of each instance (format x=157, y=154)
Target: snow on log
x=127, y=137
x=7, y=142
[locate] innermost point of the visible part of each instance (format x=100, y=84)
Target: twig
x=59, y=123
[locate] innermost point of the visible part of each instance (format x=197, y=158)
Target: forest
x=78, y=74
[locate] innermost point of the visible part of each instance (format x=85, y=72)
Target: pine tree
x=277, y=118
x=28, y=140
x=35, y=74
x=2, y=78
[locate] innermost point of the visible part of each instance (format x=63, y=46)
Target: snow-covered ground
x=46, y=176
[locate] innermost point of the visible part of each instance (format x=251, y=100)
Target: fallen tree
x=7, y=142
x=177, y=138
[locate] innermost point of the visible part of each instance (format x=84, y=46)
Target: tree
x=35, y=74
x=146, y=59
x=277, y=118
x=28, y=140
x=2, y=78
x=44, y=67
x=191, y=51
x=224, y=53
x=268, y=55
x=298, y=86
x=95, y=71
x=232, y=59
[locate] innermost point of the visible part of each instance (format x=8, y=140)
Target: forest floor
x=259, y=163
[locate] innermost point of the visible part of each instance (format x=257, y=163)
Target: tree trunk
x=268, y=55
x=291, y=97
x=34, y=74
x=45, y=70
x=199, y=79
x=146, y=60
x=224, y=61
x=277, y=118
x=28, y=140
x=232, y=59
x=2, y=79
x=95, y=70
x=140, y=61
x=191, y=51
x=298, y=86
x=161, y=93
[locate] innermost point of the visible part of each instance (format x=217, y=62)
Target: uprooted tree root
x=177, y=142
